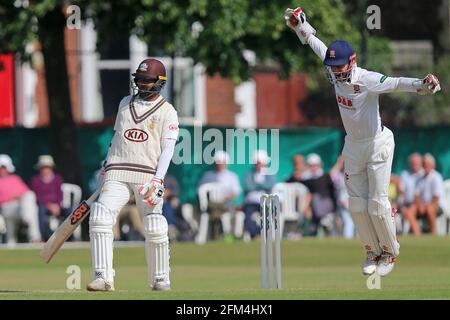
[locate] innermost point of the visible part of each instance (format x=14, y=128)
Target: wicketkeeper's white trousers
x=367, y=175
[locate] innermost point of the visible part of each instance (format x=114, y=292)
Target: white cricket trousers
x=368, y=165
x=113, y=197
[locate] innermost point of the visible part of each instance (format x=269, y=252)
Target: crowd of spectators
x=417, y=195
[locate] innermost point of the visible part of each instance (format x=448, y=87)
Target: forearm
x=168, y=146
x=379, y=83
x=408, y=84
x=319, y=48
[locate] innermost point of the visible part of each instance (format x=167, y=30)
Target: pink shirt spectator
x=47, y=192
x=11, y=186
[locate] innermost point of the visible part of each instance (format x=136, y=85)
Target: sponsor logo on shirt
x=173, y=127
x=345, y=103
x=136, y=135
x=356, y=88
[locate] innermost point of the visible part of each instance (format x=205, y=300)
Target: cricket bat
x=65, y=230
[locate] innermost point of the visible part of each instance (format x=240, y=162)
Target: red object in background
x=277, y=101
x=7, y=90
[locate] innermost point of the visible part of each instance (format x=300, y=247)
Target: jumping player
x=146, y=130
x=369, y=145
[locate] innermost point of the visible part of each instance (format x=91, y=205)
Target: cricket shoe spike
x=100, y=284
x=386, y=264
x=370, y=264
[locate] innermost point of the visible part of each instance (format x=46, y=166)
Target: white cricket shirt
x=136, y=146
x=358, y=100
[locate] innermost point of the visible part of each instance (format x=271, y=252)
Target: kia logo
x=136, y=135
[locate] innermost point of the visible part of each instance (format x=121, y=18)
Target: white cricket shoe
x=100, y=284
x=370, y=264
x=386, y=264
x=161, y=285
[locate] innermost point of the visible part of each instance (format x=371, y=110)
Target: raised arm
x=378, y=83
x=296, y=20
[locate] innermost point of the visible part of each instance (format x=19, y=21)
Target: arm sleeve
x=170, y=128
x=319, y=48
x=378, y=83
x=168, y=146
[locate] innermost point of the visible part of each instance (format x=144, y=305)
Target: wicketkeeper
x=369, y=145
x=146, y=130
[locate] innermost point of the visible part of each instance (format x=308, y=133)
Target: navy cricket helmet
x=340, y=53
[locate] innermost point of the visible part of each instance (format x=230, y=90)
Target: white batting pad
x=384, y=222
x=100, y=231
x=364, y=227
x=156, y=248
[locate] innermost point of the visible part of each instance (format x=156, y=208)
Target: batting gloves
x=153, y=192
x=428, y=85
x=432, y=83
x=296, y=20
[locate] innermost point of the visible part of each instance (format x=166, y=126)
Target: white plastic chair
x=212, y=191
x=292, y=199
x=443, y=221
x=187, y=211
x=71, y=199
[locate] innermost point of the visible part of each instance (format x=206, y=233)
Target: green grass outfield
x=312, y=269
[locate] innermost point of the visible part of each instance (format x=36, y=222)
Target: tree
x=226, y=29
x=45, y=21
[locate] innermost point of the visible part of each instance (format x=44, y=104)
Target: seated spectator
x=231, y=187
x=301, y=171
x=430, y=200
x=47, y=187
x=128, y=226
x=256, y=183
x=323, y=200
x=408, y=183
x=338, y=177
x=171, y=205
x=17, y=203
x=300, y=174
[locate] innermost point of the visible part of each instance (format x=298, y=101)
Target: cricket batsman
x=146, y=130
x=369, y=145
